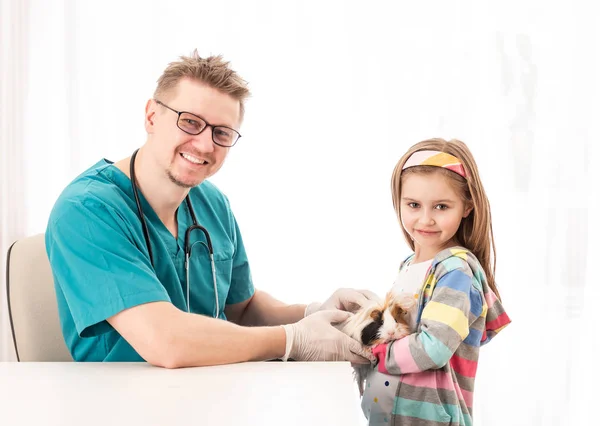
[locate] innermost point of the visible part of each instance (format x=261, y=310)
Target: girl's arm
x=445, y=322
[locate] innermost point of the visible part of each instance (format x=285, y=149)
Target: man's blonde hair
x=212, y=71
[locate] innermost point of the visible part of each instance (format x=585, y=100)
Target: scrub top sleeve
x=97, y=267
x=242, y=287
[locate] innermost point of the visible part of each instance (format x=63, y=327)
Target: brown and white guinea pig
x=378, y=323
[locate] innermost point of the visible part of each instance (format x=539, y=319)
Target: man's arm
x=264, y=310
x=168, y=337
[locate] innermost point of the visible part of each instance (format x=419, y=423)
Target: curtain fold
x=14, y=35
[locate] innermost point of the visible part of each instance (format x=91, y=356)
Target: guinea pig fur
x=378, y=323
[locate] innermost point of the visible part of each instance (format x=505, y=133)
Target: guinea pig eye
x=397, y=312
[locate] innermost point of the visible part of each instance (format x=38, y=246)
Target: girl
x=427, y=377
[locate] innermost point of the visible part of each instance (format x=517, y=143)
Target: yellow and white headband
x=437, y=159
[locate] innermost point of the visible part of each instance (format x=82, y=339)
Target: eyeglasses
x=194, y=125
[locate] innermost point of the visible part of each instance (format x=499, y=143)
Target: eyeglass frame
x=207, y=124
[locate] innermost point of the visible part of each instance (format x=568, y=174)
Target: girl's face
x=431, y=213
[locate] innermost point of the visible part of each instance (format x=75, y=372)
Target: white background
x=340, y=90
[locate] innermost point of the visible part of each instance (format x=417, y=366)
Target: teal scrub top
x=101, y=265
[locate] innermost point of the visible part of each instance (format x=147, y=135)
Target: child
x=427, y=377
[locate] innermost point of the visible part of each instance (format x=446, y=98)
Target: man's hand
x=315, y=339
x=345, y=299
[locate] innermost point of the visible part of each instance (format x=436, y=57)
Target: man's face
x=189, y=159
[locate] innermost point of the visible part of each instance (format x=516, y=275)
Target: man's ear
x=149, y=116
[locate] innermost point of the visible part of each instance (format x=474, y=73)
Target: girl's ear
x=468, y=210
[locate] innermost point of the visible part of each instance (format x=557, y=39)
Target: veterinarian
x=147, y=257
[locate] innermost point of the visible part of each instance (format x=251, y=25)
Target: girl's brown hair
x=475, y=231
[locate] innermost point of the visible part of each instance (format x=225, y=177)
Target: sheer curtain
x=14, y=35
x=340, y=91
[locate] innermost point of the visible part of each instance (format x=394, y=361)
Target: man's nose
x=204, y=142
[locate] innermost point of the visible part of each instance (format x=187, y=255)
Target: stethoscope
x=188, y=248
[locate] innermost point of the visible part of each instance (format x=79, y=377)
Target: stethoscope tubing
x=187, y=246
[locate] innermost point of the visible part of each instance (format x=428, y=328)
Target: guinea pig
x=378, y=323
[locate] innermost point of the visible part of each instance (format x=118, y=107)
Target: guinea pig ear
x=398, y=313
x=376, y=315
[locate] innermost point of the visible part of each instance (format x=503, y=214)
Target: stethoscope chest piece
x=188, y=246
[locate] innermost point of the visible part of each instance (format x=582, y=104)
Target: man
x=120, y=241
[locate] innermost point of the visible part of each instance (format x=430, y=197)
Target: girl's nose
x=427, y=219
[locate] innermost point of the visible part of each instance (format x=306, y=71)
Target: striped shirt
x=457, y=312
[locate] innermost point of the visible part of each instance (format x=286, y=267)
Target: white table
x=257, y=393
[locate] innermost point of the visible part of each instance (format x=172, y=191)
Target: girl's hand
x=380, y=352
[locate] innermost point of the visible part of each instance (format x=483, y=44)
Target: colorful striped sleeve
x=496, y=317
x=444, y=325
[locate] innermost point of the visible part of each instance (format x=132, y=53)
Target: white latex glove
x=315, y=339
x=345, y=299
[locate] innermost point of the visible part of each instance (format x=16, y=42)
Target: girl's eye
x=441, y=207
x=413, y=205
